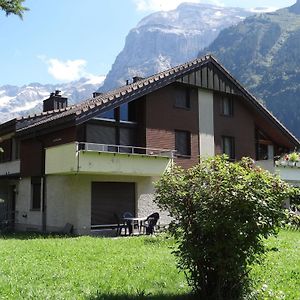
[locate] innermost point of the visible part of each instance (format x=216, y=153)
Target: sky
x=63, y=40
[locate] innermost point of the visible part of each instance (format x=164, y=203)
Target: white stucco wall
x=266, y=165
x=69, y=199
x=206, y=123
x=26, y=219
x=64, y=159
x=289, y=174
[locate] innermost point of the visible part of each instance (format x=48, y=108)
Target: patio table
x=131, y=221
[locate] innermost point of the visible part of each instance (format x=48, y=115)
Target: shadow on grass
x=100, y=296
x=33, y=235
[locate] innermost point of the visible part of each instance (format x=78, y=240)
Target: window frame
x=224, y=112
x=232, y=150
x=188, y=145
x=187, y=97
x=36, y=205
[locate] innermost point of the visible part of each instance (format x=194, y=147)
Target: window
x=261, y=151
x=183, y=142
x=128, y=112
x=227, y=106
x=182, y=98
x=228, y=146
x=108, y=115
x=36, y=193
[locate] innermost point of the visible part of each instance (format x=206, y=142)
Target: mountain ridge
x=263, y=53
x=165, y=39
x=28, y=99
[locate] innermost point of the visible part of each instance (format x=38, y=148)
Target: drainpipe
x=44, y=204
x=44, y=194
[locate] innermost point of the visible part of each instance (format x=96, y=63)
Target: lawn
x=40, y=267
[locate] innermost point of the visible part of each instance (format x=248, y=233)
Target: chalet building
x=82, y=164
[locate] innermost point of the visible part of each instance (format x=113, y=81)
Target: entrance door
x=109, y=198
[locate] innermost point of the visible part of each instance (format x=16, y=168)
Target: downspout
x=44, y=194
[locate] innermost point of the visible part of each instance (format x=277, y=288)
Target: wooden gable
x=208, y=76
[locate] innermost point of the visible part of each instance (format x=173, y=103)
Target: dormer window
x=227, y=106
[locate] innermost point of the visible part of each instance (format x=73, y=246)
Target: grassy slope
x=119, y=269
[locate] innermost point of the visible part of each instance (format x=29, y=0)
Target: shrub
x=221, y=212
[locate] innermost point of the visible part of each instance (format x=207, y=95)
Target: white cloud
x=263, y=9
x=155, y=5
x=93, y=79
x=68, y=70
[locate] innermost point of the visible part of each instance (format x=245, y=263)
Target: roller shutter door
x=109, y=198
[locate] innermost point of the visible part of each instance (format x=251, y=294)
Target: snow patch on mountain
x=21, y=101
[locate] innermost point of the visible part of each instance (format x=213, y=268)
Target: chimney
x=137, y=78
x=55, y=101
x=96, y=94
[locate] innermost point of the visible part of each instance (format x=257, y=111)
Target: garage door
x=109, y=198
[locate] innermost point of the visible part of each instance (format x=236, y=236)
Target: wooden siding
x=241, y=126
x=210, y=77
x=163, y=118
x=32, y=150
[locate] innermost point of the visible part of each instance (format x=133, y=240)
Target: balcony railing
x=125, y=149
x=91, y=158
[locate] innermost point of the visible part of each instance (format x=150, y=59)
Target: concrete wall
x=289, y=174
x=69, y=199
x=10, y=167
x=206, y=123
x=266, y=165
x=26, y=219
x=64, y=159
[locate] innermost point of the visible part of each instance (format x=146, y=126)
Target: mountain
x=165, y=39
x=263, y=53
x=16, y=101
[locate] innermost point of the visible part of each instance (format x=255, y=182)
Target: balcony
x=10, y=168
x=89, y=158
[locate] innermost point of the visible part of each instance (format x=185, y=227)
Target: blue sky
x=62, y=40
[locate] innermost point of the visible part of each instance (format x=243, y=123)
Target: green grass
x=37, y=267
x=279, y=276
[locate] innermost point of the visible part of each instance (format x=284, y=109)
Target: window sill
x=182, y=107
x=183, y=156
x=35, y=209
x=226, y=116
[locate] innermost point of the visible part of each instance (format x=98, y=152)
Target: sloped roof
x=93, y=106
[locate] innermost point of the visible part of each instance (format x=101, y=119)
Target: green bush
x=221, y=213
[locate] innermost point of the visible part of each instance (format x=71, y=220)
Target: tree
x=13, y=7
x=222, y=212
